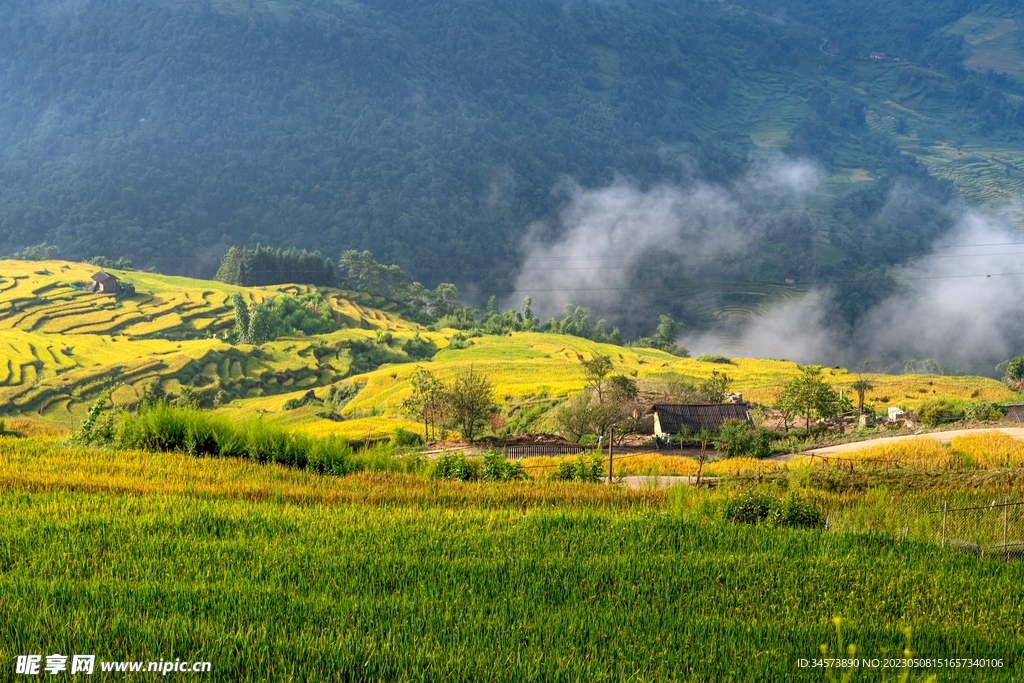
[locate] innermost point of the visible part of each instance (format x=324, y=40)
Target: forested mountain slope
x=435, y=133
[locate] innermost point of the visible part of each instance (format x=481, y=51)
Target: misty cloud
x=947, y=308
x=605, y=235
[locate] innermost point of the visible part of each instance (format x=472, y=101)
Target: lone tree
x=468, y=402
x=1015, y=373
x=861, y=386
x=810, y=396
x=426, y=404
x=595, y=371
x=606, y=402
x=715, y=388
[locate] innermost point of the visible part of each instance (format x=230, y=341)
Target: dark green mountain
x=433, y=133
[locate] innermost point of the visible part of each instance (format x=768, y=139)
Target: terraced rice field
x=61, y=345
x=533, y=366
x=993, y=37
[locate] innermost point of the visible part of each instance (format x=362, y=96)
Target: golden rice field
x=981, y=450
x=60, y=346
x=273, y=573
x=660, y=465
x=533, y=365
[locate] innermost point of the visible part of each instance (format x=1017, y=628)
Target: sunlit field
x=270, y=572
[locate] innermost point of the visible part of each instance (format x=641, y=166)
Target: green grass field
x=276, y=574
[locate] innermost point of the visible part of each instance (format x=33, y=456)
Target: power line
x=988, y=244
x=720, y=254
x=603, y=267
x=1005, y=253
x=749, y=283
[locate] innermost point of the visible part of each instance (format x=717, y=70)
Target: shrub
x=381, y=457
x=496, y=467
x=403, y=438
x=39, y=252
x=455, y=466
x=1015, y=370
x=165, y=427
x=794, y=513
x=983, y=411
x=749, y=508
x=581, y=469
x=756, y=508
x=714, y=358
x=940, y=411
x=458, y=341
x=339, y=395
x=298, y=402
x=737, y=438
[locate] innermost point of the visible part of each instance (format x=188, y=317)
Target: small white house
x=895, y=414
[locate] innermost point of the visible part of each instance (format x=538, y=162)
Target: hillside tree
x=810, y=396
x=468, y=401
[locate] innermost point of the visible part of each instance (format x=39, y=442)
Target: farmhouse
x=105, y=282
x=673, y=418
x=877, y=55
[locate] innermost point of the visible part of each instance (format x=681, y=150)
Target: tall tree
x=810, y=396
x=468, y=401
x=426, y=403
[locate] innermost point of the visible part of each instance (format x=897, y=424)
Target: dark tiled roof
x=103, y=277
x=675, y=418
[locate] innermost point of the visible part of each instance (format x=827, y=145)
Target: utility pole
x=611, y=451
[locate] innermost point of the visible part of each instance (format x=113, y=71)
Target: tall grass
x=171, y=428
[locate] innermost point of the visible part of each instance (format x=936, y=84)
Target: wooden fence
x=532, y=450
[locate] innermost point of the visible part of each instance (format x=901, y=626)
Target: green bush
x=749, y=508
x=339, y=395
x=738, y=438
x=983, y=411
x=165, y=427
x=580, y=469
x=456, y=466
x=756, y=508
x=403, y=438
x=496, y=467
x=381, y=457
x=1015, y=370
x=941, y=411
x=794, y=513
